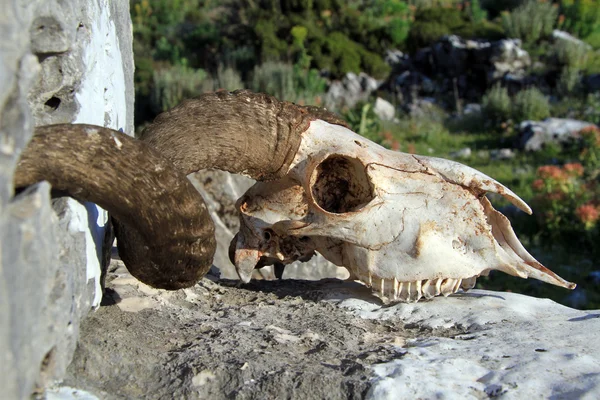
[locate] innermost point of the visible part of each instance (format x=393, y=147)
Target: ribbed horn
x=240, y=132
x=165, y=234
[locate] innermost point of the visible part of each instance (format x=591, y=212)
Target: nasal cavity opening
x=341, y=185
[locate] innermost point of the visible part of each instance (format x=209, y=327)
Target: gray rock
x=462, y=153
x=55, y=56
x=502, y=154
x=455, y=67
x=384, y=109
x=508, y=58
x=332, y=339
x=350, y=90
x=572, y=40
x=472, y=109
x=395, y=58
x=533, y=135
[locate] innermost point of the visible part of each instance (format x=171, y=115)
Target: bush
x=228, y=78
x=363, y=120
x=496, y=104
x=174, y=84
x=531, y=21
x=567, y=199
x=432, y=23
x=580, y=17
x=570, y=54
x=530, y=104
x=274, y=78
x=338, y=54
x=495, y=7
x=568, y=81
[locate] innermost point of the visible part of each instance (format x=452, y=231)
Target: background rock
x=533, y=135
x=350, y=91
x=454, y=67
x=60, y=63
x=384, y=109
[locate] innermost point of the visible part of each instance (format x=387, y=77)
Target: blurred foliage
x=580, y=17
x=567, y=196
x=467, y=20
x=363, y=120
x=495, y=7
x=530, y=104
x=496, y=105
x=174, y=84
x=275, y=78
x=531, y=21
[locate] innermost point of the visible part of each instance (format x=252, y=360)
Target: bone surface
x=408, y=226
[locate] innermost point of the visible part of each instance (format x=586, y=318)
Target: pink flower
x=537, y=185
x=550, y=172
x=588, y=214
x=574, y=169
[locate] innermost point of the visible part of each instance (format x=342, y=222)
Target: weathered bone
x=408, y=226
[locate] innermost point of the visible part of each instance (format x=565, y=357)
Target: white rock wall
x=60, y=62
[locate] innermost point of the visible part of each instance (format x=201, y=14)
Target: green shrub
x=530, y=104
x=531, y=21
x=580, y=17
x=363, y=120
x=568, y=81
x=495, y=7
x=229, y=79
x=496, y=104
x=393, y=17
x=570, y=54
x=477, y=13
x=172, y=85
x=339, y=54
x=432, y=23
x=308, y=85
x=271, y=45
x=274, y=78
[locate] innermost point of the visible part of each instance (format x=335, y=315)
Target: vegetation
x=531, y=21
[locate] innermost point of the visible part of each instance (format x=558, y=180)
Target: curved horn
x=241, y=132
x=165, y=234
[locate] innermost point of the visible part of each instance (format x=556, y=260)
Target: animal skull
x=405, y=225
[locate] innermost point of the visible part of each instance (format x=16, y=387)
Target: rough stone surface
x=331, y=339
x=533, y=135
x=52, y=53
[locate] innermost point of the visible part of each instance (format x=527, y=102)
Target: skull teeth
x=413, y=291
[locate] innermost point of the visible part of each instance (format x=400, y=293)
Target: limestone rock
x=455, y=66
x=55, y=54
x=333, y=339
x=350, y=90
x=384, y=109
x=533, y=135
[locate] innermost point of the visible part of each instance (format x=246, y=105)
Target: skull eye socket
x=340, y=184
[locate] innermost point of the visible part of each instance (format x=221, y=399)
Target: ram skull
x=408, y=226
